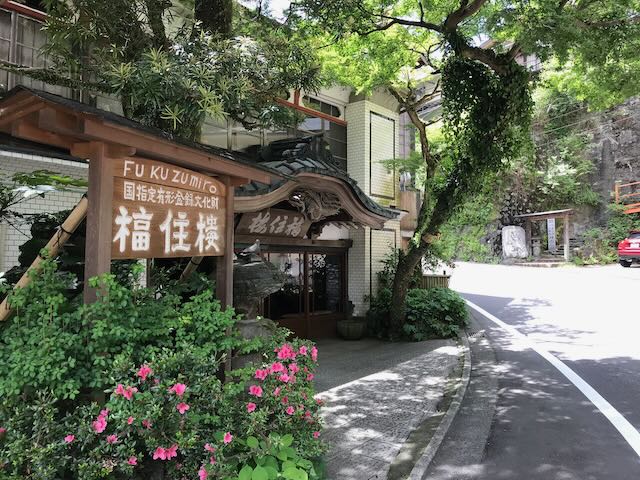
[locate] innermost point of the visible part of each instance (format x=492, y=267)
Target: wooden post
x=224, y=267
x=54, y=245
x=99, y=229
x=567, y=253
x=527, y=235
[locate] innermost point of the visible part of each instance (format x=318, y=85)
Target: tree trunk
x=406, y=266
x=215, y=15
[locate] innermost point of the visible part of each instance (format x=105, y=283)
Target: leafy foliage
x=171, y=67
x=434, y=313
x=54, y=344
x=158, y=356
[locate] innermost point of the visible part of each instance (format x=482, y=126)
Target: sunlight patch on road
x=619, y=422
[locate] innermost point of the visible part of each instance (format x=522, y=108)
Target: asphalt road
x=539, y=425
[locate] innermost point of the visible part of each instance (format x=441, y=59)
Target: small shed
x=551, y=214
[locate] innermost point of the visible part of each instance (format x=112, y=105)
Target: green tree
x=486, y=102
x=172, y=63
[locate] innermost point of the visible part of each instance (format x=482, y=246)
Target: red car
x=629, y=249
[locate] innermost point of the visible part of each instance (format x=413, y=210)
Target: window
x=335, y=135
x=21, y=39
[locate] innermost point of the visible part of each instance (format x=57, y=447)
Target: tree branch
x=464, y=11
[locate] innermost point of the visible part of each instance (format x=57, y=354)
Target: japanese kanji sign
x=275, y=223
x=160, y=210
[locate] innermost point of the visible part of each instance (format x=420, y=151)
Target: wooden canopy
x=103, y=138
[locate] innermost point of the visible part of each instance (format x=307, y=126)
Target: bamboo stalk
x=56, y=242
x=194, y=263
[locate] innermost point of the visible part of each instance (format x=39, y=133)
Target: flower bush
x=164, y=408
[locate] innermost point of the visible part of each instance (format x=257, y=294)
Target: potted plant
x=352, y=328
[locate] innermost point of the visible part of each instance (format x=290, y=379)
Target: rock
x=514, y=244
x=253, y=282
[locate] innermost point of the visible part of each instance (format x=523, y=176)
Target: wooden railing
x=434, y=281
x=630, y=199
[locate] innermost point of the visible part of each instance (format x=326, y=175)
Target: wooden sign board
x=275, y=223
x=160, y=210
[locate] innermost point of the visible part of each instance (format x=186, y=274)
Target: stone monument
x=514, y=242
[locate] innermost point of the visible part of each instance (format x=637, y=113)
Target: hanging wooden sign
x=160, y=210
x=275, y=223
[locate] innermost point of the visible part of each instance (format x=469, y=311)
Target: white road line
x=628, y=432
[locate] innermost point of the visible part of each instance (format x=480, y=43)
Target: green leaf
x=252, y=442
x=259, y=473
x=245, y=473
x=287, y=440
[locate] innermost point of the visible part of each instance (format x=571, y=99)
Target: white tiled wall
x=12, y=236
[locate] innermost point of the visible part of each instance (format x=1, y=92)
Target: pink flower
x=160, y=454
x=314, y=353
x=316, y=434
x=286, y=352
x=310, y=377
x=284, y=378
x=178, y=389
x=132, y=461
x=293, y=368
x=209, y=448
x=261, y=374
x=182, y=407
x=112, y=439
x=276, y=392
x=125, y=392
x=202, y=473
x=212, y=459
x=285, y=400
x=2, y=431
x=277, y=367
x=130, y=420
x=290, y=410
x=172, y=451
x=307, y=414
x=144, y=372
x=69, y=438
x=303, y=350
x=255, y=390
x=319, y=401
x=227, y=438
x=99, y=424
x=146, y=424
x=251, y=407
x=104, y=413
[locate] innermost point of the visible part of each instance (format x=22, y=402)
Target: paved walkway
x=376, y=393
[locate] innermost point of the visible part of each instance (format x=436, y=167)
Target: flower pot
x=352, y=329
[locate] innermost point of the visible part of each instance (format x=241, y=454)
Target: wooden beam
x=15, y=114
x=567, y=252
x=297, y=242
x=85, y=149
x=224, y=267
x=25, y=128
x=182, y=155
x=99, y=229
x=54, y=245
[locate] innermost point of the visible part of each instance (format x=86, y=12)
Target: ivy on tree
x=420, y=50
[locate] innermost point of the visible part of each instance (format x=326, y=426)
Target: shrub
x=434, y=313
x=158, y=358
x=173, y=418
x=55, y=344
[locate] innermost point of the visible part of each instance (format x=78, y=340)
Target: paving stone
x=368, y=418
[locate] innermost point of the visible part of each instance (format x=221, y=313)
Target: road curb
x=421, y=466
